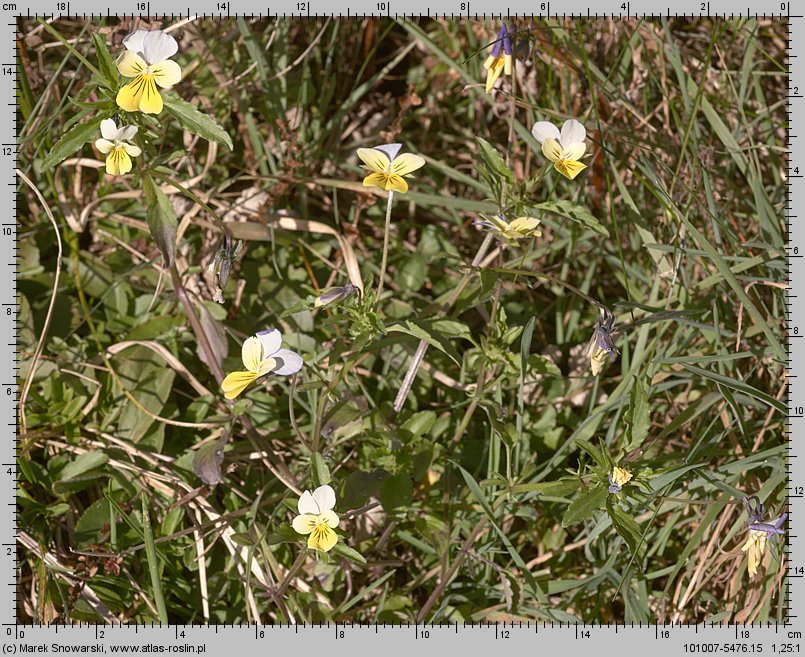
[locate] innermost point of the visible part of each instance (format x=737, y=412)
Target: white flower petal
x=543, y=130
x=132, y=150
x=158, y=46
x=127, y=133
x=104, y=145
x=307, y=504
x=109, y=129
x=288, y=362
x=389, y=149
x=572, y=132
x=134, y=41
x=325, y=498
x=271, y=340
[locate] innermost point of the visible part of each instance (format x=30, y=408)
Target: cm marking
x=795, y=635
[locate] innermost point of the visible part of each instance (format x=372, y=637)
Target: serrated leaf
x=637, y=417
x=107, y=67
x=348, y=553
x=192, y=120
x=587, y=503
x=79, y=483
x=576, y=213
x=161, y=220
x=70, y=142
x=494, y=160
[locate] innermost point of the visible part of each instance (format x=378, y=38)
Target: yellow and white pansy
x=388, y=168
x=316, y=518
x=114, y=143
x=512, y=231
x=262, y=354
x=564, y=148
x=618, y=479
x=146, y=59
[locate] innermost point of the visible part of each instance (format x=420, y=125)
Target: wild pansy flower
x=601, y=349
x=262, y=354
x=114, y=143
x=564, y=149
x=496, y=64
x=335, y=294
x=388, y=168
x=618, y=478
x=146, y=59
x=317, y=519
x=759, y=531
x=512, y=231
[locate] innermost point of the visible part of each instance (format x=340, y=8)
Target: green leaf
x=109, y=75
x=561, y=488
x=348, y=553
x=207, y=461
x=575, y=213
x=595, y=453
x=161, y=220
x=419, y=423
x=494, y=161
x=149, y=381
x=637, y=417
x=628, y=529
x=70, y=142
x=538, y=364
x=84, y=463
x=194, y=121
x=427, y=330
x=321, y=473
x=587, y=503
x=396, y=491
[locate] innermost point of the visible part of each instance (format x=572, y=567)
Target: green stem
x=384, y=261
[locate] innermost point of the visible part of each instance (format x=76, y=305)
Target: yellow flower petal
x=130, y=64
x=305, y=523
x=379, y=180
x=620, y=477
x=376, y=160
x=252, y=354
x=151, y=101
x=754, y=547
x=167, y=73
x=598, y=360
x=406, y=163
x=396, y=184
x=128, y=98
x=494, y=73
x=322, y=538
x=524, y=224
x=551, y=149
x=569, y=168
x=118, y=162
x=236, y=382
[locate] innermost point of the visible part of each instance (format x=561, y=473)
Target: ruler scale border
x=773, y=638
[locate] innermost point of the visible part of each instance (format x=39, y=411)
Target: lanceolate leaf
x=71, y=141
x=161, y=220
x=192, y=120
